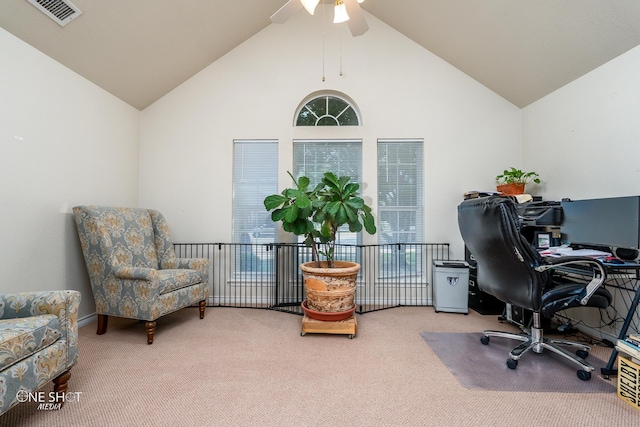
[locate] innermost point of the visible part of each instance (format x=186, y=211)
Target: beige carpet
x=244, y=367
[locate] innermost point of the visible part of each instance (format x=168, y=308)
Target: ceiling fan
x=344, y=10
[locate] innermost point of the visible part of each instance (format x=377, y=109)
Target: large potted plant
x=316, y=214
x=512, y=181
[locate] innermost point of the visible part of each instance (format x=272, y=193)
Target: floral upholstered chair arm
x=143, y=284
x=64, y=304
x=199, y=264
x=127, y=272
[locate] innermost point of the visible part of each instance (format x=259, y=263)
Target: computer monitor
x=613, y=222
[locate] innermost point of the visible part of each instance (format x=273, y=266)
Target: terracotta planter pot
x=330, y=290
x=327, y=317
x=511, y=189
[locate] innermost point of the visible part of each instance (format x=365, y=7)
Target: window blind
x=312, y=158
x=400, y=191
x=255, y=176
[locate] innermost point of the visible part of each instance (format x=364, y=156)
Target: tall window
x=312, y=158
x=400, y=191
x=327, y=110
x=255, y=176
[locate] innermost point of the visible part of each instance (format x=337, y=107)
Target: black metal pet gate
x=267, y=275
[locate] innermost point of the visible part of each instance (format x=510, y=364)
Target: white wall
x=403, y=91
x=62, y=138
x=63, y=142
x=584, y=139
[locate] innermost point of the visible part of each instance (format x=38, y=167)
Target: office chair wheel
x=584, y=375
x=582, y=354
x=512, y=364
x=484, y=340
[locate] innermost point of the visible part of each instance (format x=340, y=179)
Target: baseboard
x=596, y=333
x=86, y=320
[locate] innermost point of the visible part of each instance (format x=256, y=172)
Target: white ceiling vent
x=61, y=11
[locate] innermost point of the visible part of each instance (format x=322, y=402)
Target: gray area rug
x=478, y=366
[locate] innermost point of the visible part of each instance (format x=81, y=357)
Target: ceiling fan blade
x=357, y=23
x=287, y=11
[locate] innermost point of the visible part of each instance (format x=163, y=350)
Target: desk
x=626, y=278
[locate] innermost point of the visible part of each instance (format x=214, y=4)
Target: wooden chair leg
x=151, y=329
x=102, y=324
x=203, y=304
x=60, y=384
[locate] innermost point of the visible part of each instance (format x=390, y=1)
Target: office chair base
x=537, y=343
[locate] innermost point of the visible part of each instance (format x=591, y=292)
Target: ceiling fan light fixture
x=310, y=5
x=340, y=12
x=360, y=1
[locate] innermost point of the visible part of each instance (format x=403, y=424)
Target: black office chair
x=510, y=269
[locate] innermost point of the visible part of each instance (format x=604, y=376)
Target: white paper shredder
x=450, y=280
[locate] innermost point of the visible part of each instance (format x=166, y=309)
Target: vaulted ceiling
x=139, y=50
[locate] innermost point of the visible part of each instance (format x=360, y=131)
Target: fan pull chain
x=323, y=40
x=341, y=52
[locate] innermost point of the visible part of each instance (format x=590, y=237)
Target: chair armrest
x=63, y=304
x=188, y=263
x=127, y=272
x=599, y=274
x=199, y=264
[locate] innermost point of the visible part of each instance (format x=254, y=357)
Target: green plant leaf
x=302, y=201
x=343, y=181
x=288, y=226
x=330, y=178
x=301, y=227
x=325, y=230
x=292, y=193
x=278, y=215
x=323, y=239
x=350, y=189
x=291, y=213
x=355, y=227
x=369, y=223
x=272, y=202
x=319, y=217
x=303, y=183
x=341, y=215
x=352, y=216
x=305, y=212
x=356, y=203
x=332, y=208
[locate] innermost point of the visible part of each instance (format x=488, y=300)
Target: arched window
x=327, y=110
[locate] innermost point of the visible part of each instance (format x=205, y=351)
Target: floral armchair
x=38, y=343
x=132, y=266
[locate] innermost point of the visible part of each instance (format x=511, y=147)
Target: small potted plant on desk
x=317, y=214
x=512, y=181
